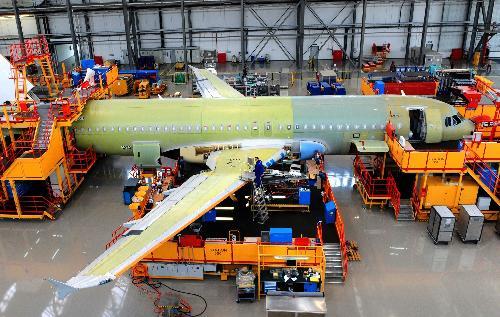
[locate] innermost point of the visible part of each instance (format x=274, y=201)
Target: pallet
x=353, y=251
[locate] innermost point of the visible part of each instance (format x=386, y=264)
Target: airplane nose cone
x=469, y=127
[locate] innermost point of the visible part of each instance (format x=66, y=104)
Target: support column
x=72, y=30
x=353, y=36
x=88, y=30
x=424, y=30
x=472, y=41
x=162, y=33
x=299, y=54
x=184, y=36
x=38, y=24
x=190, y=33
x=16, y=197
x=466, y=27
x=131, y=57
x=487, y=27
x=362, y=41
x=242, y=35
x=133, y=24
x=18, y=21
x=441, y=27
x=408, y=35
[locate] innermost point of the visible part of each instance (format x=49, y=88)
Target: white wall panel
x=210, y=19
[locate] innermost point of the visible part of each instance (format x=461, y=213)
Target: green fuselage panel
x=111, y=126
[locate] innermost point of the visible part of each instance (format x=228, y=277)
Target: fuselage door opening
x=418, y=128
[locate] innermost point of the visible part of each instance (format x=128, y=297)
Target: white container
x=483, y=203
x=441, y=224
x=470, y=223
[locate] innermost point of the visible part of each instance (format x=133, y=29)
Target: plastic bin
x=339, y=89
x=87, y=63
x=380, y=86
x=209, y=216
x=310, y=287
x=304, y=196
x=313, y=88
x=330, y=210
x=280, y=235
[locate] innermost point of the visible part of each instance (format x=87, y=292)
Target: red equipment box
x=412, y=88
x=303, y=242
x=191, y=240
x=221, y=57
x=337, y=55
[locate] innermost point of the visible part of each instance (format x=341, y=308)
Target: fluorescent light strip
x=224, y=218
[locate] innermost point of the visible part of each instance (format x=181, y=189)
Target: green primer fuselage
x=111, y=126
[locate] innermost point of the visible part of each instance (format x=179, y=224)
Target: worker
x=245, y=71
x=488, y=66
x=452, y=64
x=259, y=171
x=392, y=68
x=317, y=158
x=317, y=77
x=180, y=164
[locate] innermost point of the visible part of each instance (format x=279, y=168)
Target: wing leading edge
x=211, y=86
x=187, y=203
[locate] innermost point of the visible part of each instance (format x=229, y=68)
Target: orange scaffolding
x=42, y=149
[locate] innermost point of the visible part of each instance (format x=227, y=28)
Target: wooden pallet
x=353, y=251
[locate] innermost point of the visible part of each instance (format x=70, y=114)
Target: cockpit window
x=456, y=120
x=447, y=121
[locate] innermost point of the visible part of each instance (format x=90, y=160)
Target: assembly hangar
x=249, y=158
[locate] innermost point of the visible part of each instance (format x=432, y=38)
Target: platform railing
x=374, y=187
x=81, y=161
x=339, y=225
x=117, y=233
x=487, y=175
x=393, y=190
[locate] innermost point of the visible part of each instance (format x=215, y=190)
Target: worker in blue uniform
x=259, y=171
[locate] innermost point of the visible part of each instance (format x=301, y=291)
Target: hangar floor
x=402, y=273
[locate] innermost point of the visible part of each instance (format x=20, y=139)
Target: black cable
x=192, y=294
x=156, y=285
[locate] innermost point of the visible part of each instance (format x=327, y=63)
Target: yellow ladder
x=48, y=75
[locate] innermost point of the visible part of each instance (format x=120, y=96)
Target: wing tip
x=62, y=289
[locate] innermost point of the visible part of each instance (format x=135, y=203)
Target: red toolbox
x=221, y=57
x=191, y=240
x=337, y=55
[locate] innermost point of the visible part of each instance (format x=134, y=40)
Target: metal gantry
x=275, y=32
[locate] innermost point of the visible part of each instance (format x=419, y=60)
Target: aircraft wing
x=211, y=86
x=185, y=204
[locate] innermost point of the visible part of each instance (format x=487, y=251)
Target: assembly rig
x=40, y=167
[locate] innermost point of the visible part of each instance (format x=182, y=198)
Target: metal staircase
x=48, y=75
x=334, y=272
x=405, y=211
x=44, y=131
x=259, y=206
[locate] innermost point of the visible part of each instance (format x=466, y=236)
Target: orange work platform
x=411, y=161
x=40, y=168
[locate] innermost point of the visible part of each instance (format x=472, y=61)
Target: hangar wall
x=219, y=28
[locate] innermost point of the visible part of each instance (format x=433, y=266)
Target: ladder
x=48, y=75
x=19, y=75
x=259, y=206
x=334, y=270
x=44, y=131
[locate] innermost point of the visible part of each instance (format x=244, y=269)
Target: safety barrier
x=117, y=233
x=482, y=172
x=411, y=161
x=339, y=225
x=81, y=161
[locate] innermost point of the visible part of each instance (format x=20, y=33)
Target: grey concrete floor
x=402, y=273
